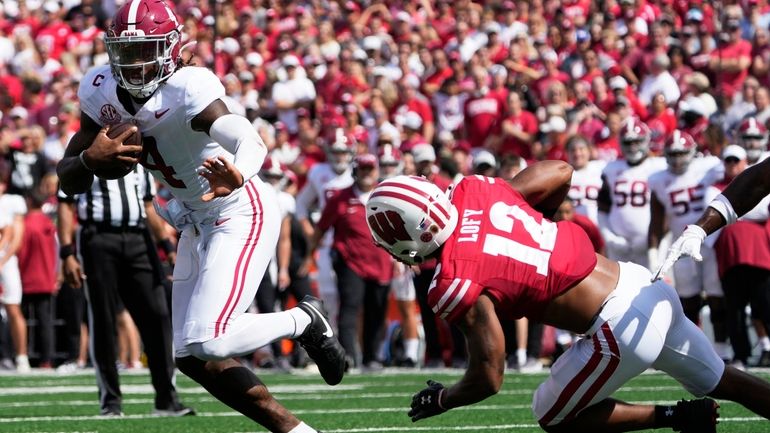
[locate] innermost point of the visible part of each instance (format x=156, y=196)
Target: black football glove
x=427, y=402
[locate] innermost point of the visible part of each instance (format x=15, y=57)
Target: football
x=120, y=170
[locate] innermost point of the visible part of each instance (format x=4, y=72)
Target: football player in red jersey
x=501, y=257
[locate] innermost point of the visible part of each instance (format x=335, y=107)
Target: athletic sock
x=301, y=320
x=303, y=428
x=410, y=348
x=521, y=356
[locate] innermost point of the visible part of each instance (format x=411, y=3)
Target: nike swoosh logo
x=219, y=222
x=158, y=114
x=329, y=333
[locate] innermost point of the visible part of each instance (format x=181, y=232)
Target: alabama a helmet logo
x=109, y=115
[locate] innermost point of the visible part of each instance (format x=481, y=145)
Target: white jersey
x=172, y=151
x=321, y=179
x=12, y=205
x=684, y=196
x=585, y=187
x=629, y=214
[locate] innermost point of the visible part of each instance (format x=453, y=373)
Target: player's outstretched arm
x=740, y=196
x=544, y=185
x=486, y=356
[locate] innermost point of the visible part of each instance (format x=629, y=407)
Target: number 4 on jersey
x=150, y=148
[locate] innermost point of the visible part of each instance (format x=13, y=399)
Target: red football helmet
x=143, y=44
x=752, y=136
x=272, y=167
x=273, y=172
x=635, y=140
x=680, y=150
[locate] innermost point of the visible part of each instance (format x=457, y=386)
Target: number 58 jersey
x=503, y=247
x=172, y=151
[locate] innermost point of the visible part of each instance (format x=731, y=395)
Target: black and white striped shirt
x=116, y=203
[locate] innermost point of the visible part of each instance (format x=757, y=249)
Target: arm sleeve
x=236, y=135
x=330, y=213
x=306, y=197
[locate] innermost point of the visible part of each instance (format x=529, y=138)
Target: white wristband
x=722, y=205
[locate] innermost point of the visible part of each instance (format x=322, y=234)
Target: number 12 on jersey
x=543, y=234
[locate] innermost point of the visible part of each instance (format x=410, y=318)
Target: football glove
x=688, y=244
x=427, y=402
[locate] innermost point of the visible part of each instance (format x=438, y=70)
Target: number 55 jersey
x=172, y=151
x=504, y=247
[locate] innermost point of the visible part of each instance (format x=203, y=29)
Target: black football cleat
x=697, y=416
x=320, y=342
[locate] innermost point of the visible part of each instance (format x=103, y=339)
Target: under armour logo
x=425, y=399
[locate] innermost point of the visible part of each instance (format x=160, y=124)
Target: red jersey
x=732, y=82
x=527, y=122
x=37, y=254
x=503, y=247
x=352, y=239
x=483, y=115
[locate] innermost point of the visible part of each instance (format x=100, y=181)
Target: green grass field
x=362, y=403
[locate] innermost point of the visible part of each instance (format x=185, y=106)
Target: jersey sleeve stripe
x=420, y=205
x=457, y=299
x=446, y=295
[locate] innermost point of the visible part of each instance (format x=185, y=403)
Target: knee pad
x=208, y=350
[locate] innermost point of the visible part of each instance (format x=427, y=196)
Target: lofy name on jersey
x=470, y=225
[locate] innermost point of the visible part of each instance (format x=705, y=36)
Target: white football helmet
x=635, y=140
x=339, y=153
x=752, y=136
x=410, y=217
x=680, y=150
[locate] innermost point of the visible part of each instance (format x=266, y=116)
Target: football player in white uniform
x=678, y=198
x=323, y=178
x=624, y=200
x=228, y=218
x=586, y=177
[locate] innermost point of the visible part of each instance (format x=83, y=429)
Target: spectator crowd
x=346, y=93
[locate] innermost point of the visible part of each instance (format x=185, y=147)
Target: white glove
x=688, y=244
x=615, y=243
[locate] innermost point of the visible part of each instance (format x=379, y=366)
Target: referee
x=120, y=264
